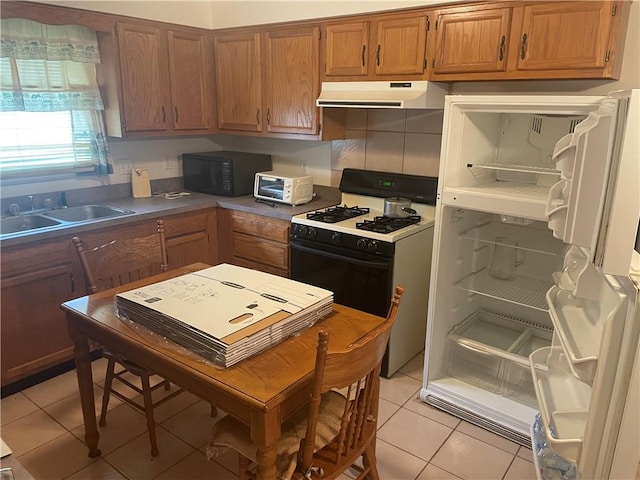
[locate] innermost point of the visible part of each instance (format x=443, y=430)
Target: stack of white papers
x=226, y=313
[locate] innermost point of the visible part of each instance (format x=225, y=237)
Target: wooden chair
x=339, y=425
x=116, y=263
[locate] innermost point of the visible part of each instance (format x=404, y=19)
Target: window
x=50, y=105
x=45, y=143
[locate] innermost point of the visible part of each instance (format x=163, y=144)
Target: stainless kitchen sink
x=22, y=223
x=86, y=212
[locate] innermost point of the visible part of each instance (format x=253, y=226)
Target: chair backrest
x=122, y=261
x=355, y=372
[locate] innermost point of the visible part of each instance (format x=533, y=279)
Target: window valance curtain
x=48, y=68
x=45, y=69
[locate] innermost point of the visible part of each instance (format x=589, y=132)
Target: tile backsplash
x=401, y=141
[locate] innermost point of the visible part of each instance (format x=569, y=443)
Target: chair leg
x=243, y=467
x=214, y=410
x=369, y=459
x=148, y=408
x=108, y=382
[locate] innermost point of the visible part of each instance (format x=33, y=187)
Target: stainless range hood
x=421, y=94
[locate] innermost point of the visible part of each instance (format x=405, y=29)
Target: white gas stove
x=359, y=254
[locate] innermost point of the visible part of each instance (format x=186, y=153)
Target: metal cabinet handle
x=268, y=116
x=258, y=116
x=364, y=49
x=164, y=115
x=378, y=55
x=175, y=109
x=523, y=51
x=502, y=47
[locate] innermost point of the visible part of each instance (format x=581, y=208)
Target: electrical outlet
x=167, y=163
x=125, y=165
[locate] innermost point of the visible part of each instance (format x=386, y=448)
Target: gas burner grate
x=387, y=224
x=337, y=214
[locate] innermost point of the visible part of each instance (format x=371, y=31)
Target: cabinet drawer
x=261, y=251
x=260, y=226
x=186, y=223
x=243, y=262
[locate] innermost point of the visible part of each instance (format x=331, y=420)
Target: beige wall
x=197, y=13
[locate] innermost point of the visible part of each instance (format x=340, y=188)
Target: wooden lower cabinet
x=35, y=281
x=38, y=277
x=254, y=241
x=192, y=238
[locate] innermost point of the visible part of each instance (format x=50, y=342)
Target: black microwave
x=223, y=173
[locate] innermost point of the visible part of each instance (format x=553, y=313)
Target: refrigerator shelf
x=525, y=291
x=501, y=335
x=531, y=239
x=517, y=167
x=563, y=401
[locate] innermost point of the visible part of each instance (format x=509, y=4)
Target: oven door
x=358, y=280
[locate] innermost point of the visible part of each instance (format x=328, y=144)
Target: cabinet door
x=400, y=46
x=346, y=49
x=238, y=82
x=34, y=331
x=190, y=78
x=143, y=73
x=471, y=41
x=565, y=35
x=191, y=238
x=292, y=80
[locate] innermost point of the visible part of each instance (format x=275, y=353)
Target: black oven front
x=358, y=279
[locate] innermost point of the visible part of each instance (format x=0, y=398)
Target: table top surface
x=262, y=380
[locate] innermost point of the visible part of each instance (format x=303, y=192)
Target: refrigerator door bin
x=580, y=323
x=525, y=291
x=563, y=401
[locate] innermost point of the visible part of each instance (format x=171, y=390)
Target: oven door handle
x=342, y=258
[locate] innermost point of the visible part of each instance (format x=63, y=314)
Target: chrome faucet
x=32, y=206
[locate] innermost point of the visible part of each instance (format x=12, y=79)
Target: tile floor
x=43, y=427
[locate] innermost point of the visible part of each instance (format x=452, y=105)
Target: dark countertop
x=157, y=206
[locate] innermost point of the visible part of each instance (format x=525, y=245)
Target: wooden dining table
x=262, y=391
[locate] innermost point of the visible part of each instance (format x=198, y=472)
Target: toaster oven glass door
x=271, y=187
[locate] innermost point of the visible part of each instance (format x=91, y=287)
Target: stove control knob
x=335, y=237
x=311, y=232
x=361, y=243
x=372, y=246
x=301, y=230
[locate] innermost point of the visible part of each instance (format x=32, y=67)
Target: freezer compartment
x=563, y=401
x=503, y=155
x=491, y=351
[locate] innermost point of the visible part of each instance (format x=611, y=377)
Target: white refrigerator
x=533, y=302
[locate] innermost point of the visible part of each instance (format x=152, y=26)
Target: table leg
x=85, y=385
x=265, y=432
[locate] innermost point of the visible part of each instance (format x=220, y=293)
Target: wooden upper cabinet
x=566, y=35
x=238, y=82
x=382, y=48
x=267, y=81
x=346, y=49
x=155, y=80
x=400, y=46
x=190, y=73
x=470, y=40
x=292, y=80
x=143, y=78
